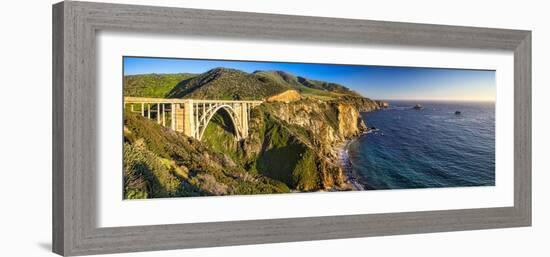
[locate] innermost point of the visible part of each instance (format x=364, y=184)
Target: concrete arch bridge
x=191, y=116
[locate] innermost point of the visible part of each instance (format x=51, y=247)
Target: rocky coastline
x=353, y=180
x=329, y=127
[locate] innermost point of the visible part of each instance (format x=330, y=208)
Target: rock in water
x=382, y=104
x=418, y=107
x=458, y=113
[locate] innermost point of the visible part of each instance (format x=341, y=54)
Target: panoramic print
x=195, y=127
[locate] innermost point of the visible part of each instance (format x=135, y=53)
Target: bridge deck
x=129, y=99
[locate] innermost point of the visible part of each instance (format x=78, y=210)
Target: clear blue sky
x=378, y=82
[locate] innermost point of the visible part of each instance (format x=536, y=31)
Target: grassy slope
x=286, y=157
x=153, y=85
x=309, y=88
x=220, y=136
x=227, y=84
x=327, y=86
x=162, y=163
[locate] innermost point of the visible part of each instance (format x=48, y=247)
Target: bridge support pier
x=173, y=116
x=163, y=115
x=188, y=119
x=179, y=117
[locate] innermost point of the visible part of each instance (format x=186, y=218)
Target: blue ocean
x=424, y=148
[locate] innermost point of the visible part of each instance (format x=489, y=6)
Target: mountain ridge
x=231, y=84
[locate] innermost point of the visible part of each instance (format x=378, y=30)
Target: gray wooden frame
x=74, y=126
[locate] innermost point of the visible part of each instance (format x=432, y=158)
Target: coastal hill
x=230, y=84
x=227, y=84
x=307, y=87
x=293, y=144
x=153, y=85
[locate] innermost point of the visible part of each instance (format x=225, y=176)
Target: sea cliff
x=298, y=143
x=320, y=125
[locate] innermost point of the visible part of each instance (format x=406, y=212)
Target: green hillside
x=159, y=162
x=327, y=86
x=230, y=84
x=308, y=88
x=227, y=84
x=287, y=154
x=153, y=85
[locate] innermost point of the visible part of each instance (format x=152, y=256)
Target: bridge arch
x=205, y=120
x=192, y=116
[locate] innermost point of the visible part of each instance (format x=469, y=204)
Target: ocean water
x=427, y=148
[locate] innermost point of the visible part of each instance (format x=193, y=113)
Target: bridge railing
x=131, y=99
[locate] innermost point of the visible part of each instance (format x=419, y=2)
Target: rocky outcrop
x=328, y=122
x=285, y=97
x=362, y=104
x=382, y=104
x=349, y=122
x=309, y=129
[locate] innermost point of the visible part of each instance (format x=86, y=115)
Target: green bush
x=220, y=135
x=145, y=173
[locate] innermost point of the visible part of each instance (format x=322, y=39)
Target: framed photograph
x=183, y=128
